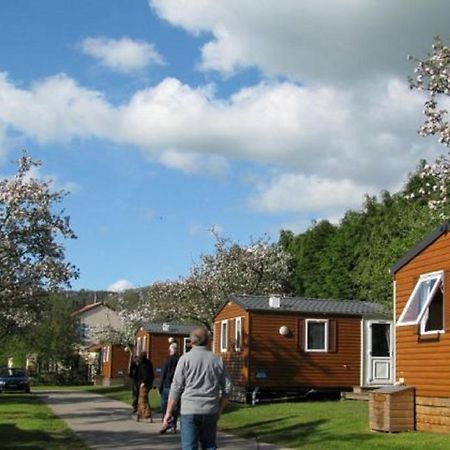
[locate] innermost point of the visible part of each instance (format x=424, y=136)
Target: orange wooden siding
x=157, y=347
x=287, y=365
x=281, y=358
x=424, y=361
x=120, y=360
x=236, y=361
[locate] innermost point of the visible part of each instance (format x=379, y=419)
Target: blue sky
x=165, y=118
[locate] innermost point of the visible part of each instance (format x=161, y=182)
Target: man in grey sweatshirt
x=202, y=384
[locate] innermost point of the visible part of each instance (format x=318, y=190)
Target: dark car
x=12, y=379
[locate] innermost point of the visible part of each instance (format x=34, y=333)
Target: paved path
x=104, y=423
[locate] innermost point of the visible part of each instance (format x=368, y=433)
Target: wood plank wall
x=287, y=364
x=424, y=361
x=236, y=361
x=282, y=358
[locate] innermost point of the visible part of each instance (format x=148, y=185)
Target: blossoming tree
x=432, y=75
x=31, y=252
x=259, y=268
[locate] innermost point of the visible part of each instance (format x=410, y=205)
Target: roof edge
x=442, y=229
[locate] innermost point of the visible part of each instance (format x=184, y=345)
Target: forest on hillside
x=352, y=259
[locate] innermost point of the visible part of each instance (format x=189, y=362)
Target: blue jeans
x=198, y=428
x=164, y=400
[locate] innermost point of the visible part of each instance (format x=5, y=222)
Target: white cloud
x=120, y=286
x=366, y=136
x=297, y=193
x=122, y=55
x=332, y=41
x=194, y=163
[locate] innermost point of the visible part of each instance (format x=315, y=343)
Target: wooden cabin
x=114, y=364
x=422, y=314
x=155, y=338
x=297, y=344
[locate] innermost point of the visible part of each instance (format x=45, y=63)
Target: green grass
x=313, y=425
x=319, y=425
x=26, y=423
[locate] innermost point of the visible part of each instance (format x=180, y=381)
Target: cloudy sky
x=165, y=118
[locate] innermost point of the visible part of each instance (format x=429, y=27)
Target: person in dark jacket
x=167, y=373
x=145, y=376
x=132, y=373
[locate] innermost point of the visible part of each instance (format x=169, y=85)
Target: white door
x=378, y=352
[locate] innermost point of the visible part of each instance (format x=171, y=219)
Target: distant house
x=107, y=363
x=422, y=314
x=295, y=344
x=94, y=316
x=155, y=338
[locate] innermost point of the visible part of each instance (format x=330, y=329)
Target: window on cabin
x=237, y=334
x=187, y=346
x=425, y=305
x=316, y=335
x=224, y=336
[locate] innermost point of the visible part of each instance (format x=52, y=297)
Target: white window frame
x=237, y=336
x=440, y=278
x=224, y=340
x=321, y=350
x=138, y=345
x=185, y=341
x=105, y=355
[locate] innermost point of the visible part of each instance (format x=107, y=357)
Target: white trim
x=224, y=339
x=324, y=321
x=362, y=343
x=237, y=338
x=438, y=276
x=186, y=340
x=394, y=335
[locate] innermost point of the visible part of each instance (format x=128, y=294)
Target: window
x=186, y=345
x=237, y=333
x=138, y=346
x=144, y=344
x=105, y=354
x=316, y=335
x=224, y=336
x=425, y=305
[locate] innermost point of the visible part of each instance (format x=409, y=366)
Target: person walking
x=167, y=374
x=202, y=383
x=132, y=373
x=145, y=376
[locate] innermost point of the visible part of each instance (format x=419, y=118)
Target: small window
x=138, y=346
x=316, y=337
x=105, y=353
x=424, y=303
x=237, y=334
x=433, y=319
x=187, y=346
x=224, y=336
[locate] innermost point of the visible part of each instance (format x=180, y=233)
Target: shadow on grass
x=13, y=437
x=283, y=431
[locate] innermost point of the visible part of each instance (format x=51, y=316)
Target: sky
x=166, y=118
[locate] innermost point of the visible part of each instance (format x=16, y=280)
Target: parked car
x=14, y=379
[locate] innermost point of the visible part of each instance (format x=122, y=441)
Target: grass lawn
x=26, y=423
x=321, y=425
x=313, y=425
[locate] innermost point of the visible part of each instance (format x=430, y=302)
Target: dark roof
x=168, y=328
x=88, y=307
x=422, y=245
x=310, y=306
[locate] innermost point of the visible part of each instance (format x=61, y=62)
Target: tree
x=432, y=75
x=31, y=253
x=260, y=268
